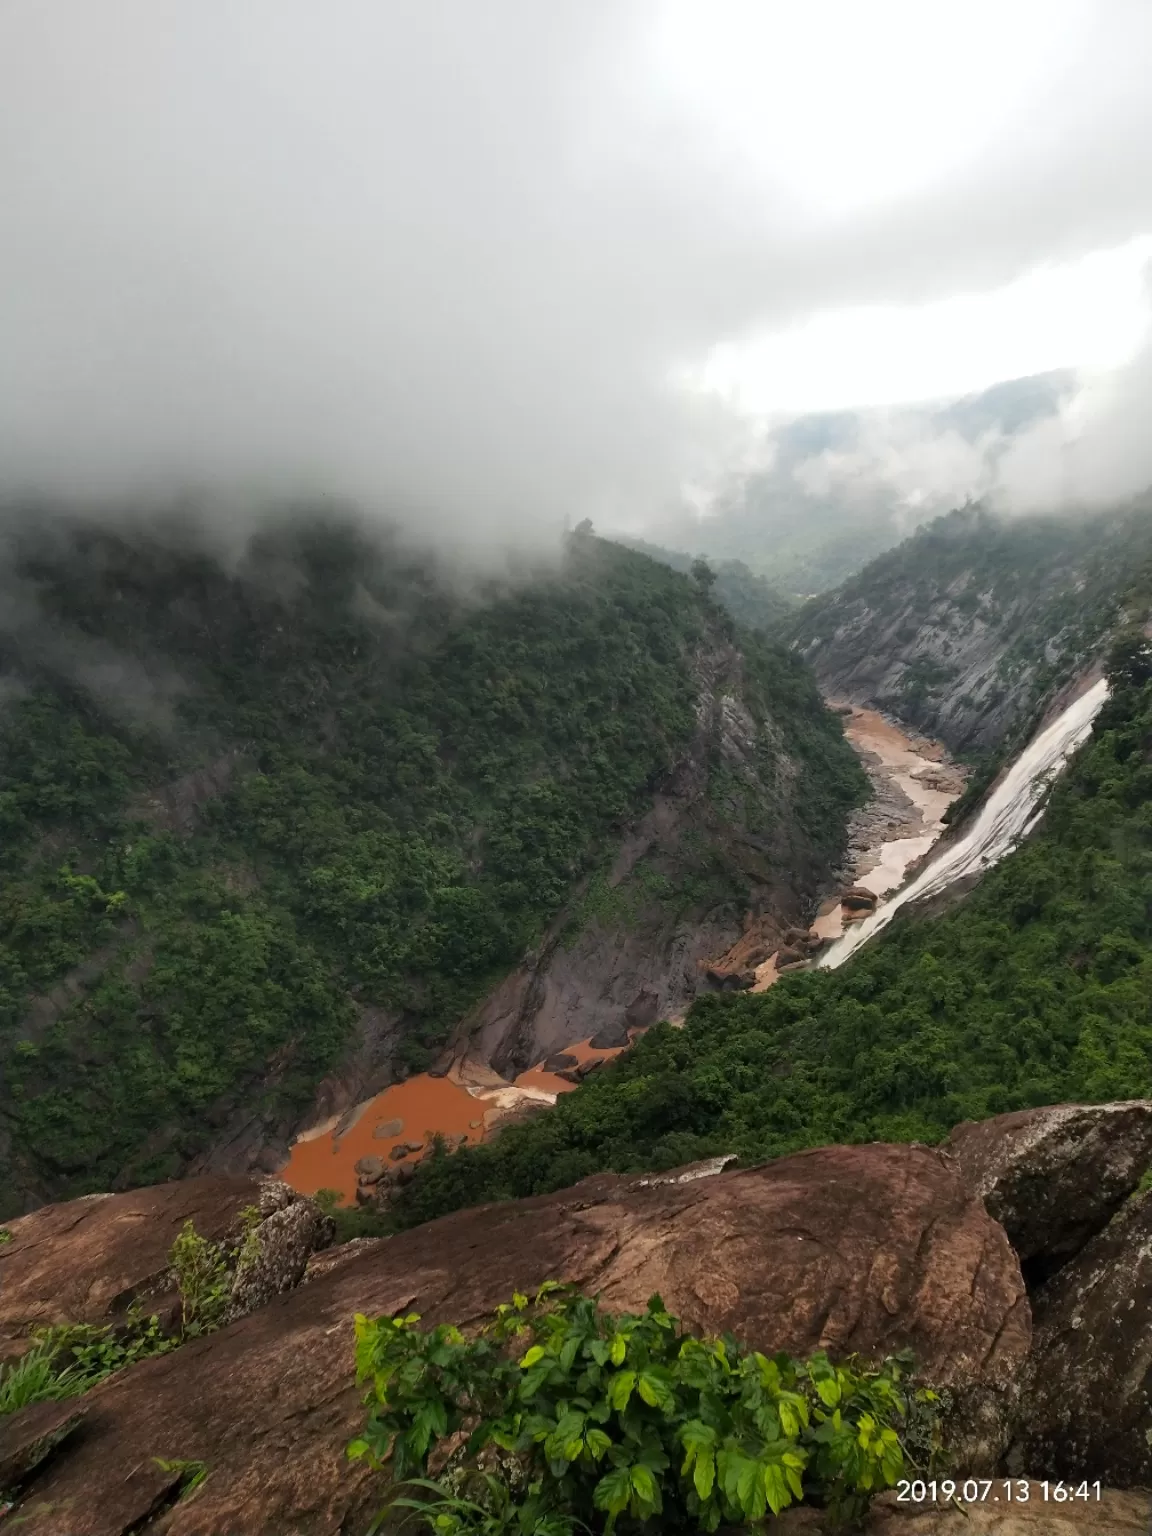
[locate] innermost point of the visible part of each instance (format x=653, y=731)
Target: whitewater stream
x=1010, y=812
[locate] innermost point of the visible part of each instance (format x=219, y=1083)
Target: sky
x=487, y=268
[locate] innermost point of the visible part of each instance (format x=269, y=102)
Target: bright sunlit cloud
x=840, y=104
x=1092, y=313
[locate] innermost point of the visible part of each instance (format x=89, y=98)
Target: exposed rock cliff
x=733, y=836
x=967, y=627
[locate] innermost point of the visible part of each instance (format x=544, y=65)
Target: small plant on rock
x=202, y=1274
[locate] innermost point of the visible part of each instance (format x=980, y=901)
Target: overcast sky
x=487, y=264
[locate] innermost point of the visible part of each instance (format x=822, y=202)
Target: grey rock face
x=1085, y=1409
x=275, y=1253
x=1054, y=1177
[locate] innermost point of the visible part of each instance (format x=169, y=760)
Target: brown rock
x=560, y=1062
x=1086, y=1403
x=405, y=1149
x=858, y=899
x=369, y=1169
x=37, y=1436
x=813, y=941
x=1055, y=1177
x=794, y=936
x=643, y=1009
x=117, y=1249
x=386, y=1129
x=862, y=1249
x=790, y=957
x=274, y=1256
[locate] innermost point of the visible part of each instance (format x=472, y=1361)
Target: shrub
x=615, y=1421
x=202, y=1273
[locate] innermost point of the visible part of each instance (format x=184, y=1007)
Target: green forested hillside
x=752, y=600
x=1036, y=990
x=241, y=795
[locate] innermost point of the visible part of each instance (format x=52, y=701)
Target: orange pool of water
x=425, y=1104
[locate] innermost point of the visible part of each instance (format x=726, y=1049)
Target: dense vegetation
x=243, y=795
x=1037, y=989
x=755, y=602
x=621, y=1423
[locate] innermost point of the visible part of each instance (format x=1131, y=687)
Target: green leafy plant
x=35, y=1378
x=5, y=1235
x=202, y=1273
x=618, y=1421
x=67, y=1359
x=495, y=1511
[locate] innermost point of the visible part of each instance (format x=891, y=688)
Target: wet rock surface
x=1086, y=1403
x=1054, y=1177
x=864, y=1249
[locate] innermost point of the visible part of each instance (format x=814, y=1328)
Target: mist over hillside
x=837, y=489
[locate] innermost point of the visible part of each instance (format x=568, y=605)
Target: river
x=913, y=785
x=1010, y=812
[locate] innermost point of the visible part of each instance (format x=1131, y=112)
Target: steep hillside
x=281, y=820
x=752, y=600
x=1036, y=990
x=969, y=625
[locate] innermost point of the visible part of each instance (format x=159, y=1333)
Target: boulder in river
x=1056, y=1176
x=864, y=1249
x=858, y=898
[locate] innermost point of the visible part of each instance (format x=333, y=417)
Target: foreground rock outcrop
x=1086, y=1405
x=853, y=1249
x=88, y=1260
x=1054, y=1177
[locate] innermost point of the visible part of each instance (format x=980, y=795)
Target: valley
x=576, y=901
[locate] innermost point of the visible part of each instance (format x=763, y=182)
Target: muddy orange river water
x=471, y=1100
x=468, y=1102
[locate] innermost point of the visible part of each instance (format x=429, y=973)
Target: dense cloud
x=446, y=257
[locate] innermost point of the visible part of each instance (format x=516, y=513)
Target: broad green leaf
x=645, y=1488
x=620, y=1389
x=535, y=1354
x=776, y=1491
x=655, y=1390
x=613, y=1491
x=704, y=1472
x=597, y=1442
x=619, y=1349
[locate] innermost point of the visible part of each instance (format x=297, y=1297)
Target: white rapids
x=1011, y=811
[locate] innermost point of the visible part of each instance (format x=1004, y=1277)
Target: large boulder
x=1086, y=1403
x=851, y=1249
x=88, y=1260
x=1054, y=1177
